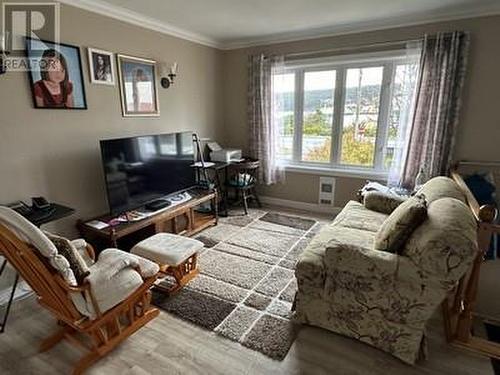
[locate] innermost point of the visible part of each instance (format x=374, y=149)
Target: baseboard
x=311, y=207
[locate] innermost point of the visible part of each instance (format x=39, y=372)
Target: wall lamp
x=168, y=78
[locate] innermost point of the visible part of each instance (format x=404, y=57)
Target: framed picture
x=55, y=74
x=138, y=90
x=101, y=66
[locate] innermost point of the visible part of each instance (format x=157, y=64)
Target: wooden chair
x=95, y=336
x=242, y=178
x=459, y=306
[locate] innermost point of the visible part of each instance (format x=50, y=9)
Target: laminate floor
x=169, y=345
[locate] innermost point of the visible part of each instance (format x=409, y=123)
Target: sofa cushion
x=355, y=215
x=111, y=290
x=167, y=248
x=398, y=227
x=441, y=187
x=382, y=202
x=445, y=244
x=113, y=278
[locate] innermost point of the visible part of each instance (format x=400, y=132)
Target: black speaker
x=3, y=69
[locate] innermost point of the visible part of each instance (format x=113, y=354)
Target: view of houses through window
x=344, y=113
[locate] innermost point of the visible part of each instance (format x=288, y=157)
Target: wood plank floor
x=169, y=345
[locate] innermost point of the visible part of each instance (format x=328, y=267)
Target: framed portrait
x=138, y=90
x=55, y=75
x=101, y=67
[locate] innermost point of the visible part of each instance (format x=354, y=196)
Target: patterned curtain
x=264, y=126
x=437, y=105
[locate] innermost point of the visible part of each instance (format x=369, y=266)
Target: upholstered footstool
x=176, y=255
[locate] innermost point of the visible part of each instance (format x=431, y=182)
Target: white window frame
x=389, y=60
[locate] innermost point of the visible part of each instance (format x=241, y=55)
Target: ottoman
x=175, y=254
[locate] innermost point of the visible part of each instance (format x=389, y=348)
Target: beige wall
x=479, y=129
x=55, y=153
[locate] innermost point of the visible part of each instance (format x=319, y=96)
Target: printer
x=224, y=155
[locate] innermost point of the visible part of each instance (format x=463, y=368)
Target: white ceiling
x=236, y=23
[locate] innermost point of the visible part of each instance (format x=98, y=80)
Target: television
x=145, y=169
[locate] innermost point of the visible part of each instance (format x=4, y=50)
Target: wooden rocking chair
x=96, y=335
x=459, y=306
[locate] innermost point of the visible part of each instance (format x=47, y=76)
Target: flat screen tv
x=141, y=170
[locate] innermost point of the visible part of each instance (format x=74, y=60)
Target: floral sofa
x=381, y=298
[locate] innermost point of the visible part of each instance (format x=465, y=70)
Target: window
x=344, y=112
x=284, y=91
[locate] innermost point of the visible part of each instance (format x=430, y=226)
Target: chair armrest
x=85, y=249
x=370, y=263
x=143, y=266
x=79, y=243
x=105, y=269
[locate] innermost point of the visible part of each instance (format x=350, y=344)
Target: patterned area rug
x=246, y=284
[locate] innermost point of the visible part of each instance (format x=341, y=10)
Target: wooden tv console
x=184, y=219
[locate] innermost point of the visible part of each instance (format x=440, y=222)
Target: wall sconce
x=168, y=78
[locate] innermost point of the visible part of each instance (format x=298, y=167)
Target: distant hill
x=371, y=97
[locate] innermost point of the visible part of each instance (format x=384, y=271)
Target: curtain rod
x=338, y=49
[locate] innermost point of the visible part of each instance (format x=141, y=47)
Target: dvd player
x=157, y=204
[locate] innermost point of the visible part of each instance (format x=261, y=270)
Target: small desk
x=220, y=181
x=58, y=212
x=38, y=218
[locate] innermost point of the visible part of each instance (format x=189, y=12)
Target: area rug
x=246, y=284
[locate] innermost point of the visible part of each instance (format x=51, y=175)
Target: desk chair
x=242, y=179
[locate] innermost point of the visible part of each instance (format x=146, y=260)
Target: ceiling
x=230, y=24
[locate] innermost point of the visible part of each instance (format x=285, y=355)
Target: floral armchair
x=381, y=298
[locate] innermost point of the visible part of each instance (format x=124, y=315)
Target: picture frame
x=55, y=75
x=138, y=86
x=101, y=66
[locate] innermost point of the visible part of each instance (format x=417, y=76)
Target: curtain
x=437, y=105
x=263, y=124
x=403, y=102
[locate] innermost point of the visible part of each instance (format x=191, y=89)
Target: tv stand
x=157, y=204
x=185, y=218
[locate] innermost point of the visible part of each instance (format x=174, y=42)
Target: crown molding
x=361, y=27
x=125, y=15
x=137, y=19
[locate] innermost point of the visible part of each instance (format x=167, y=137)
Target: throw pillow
x=400, y=224
x=76, y=262
x=381, y=202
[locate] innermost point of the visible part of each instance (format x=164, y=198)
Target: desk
x=218, y=168
x=38, y=218
x=58, y=211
